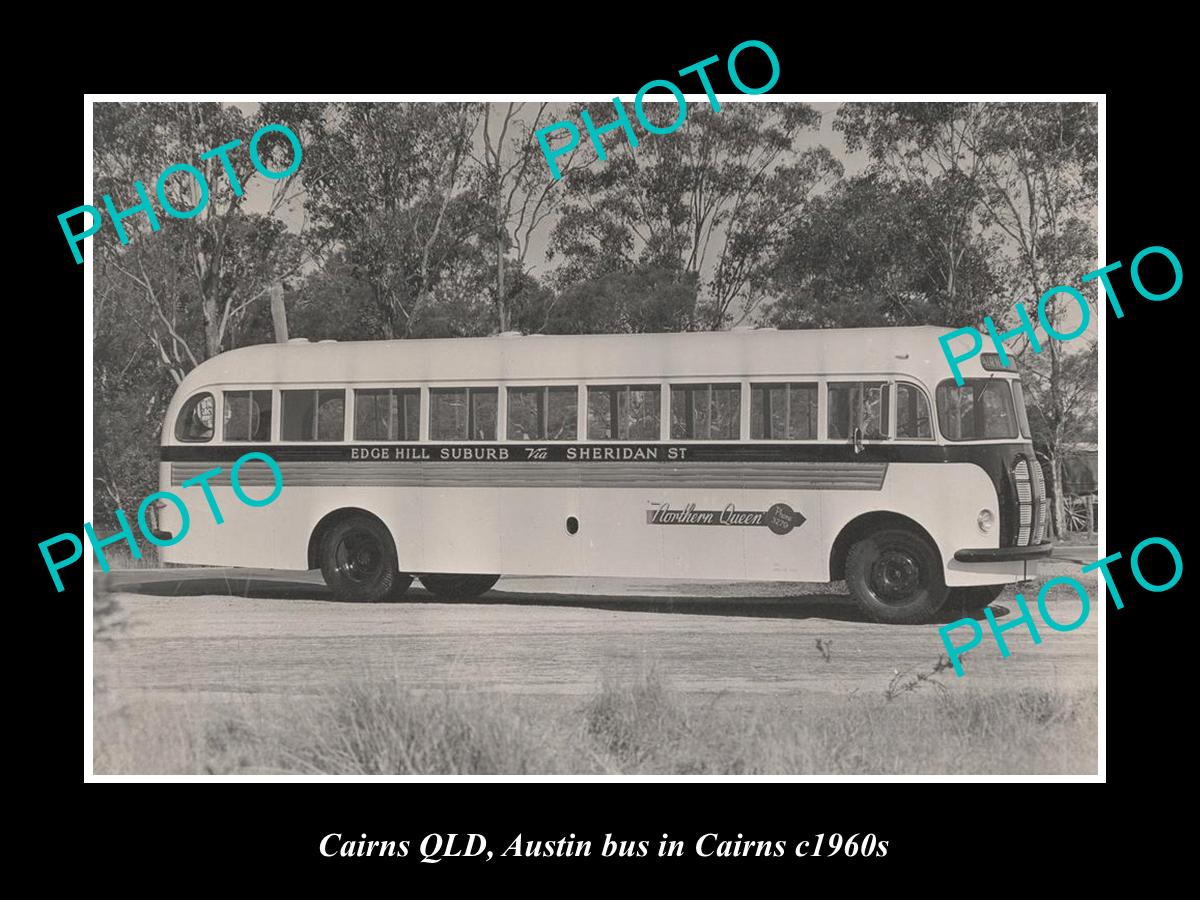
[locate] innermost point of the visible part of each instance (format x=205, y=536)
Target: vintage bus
x=751, y=455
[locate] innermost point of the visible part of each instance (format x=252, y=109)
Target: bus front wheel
x=895, y=576
x=458, y=585
x=358, y=562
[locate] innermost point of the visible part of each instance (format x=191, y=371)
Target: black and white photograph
x=703, y=434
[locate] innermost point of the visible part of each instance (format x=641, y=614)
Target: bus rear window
x=195, y=422
x=980, y=409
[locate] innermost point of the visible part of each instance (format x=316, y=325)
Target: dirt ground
x=229, y=633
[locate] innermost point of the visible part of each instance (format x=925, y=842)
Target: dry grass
x=109, y=620
x=119, y=558
x=371, y=728
x=378, y=727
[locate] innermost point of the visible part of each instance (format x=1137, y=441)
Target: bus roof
x=757, y=353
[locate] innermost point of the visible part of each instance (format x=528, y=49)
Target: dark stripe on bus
x=811, y=476
x=644, y=454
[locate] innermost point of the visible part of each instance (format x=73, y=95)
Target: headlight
x=985, y=520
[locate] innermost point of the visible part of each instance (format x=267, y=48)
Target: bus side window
x=706, y=412
x=387, y=414
x=912, y=413
x=484, y=422
x=462, y=414
x=313, y=415
x=786, y=412
x=623, y=412
x=542, y=413
x=247, y=416
x=196, y=419
x=858, y=404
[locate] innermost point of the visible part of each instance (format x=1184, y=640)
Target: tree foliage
x=645, y=299
x=709, y=202
x=168, y=300
x=865, y=254
x=195, y=279
x=384, y=188
x=511, y=180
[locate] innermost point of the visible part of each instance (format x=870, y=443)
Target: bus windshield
x=979, y=409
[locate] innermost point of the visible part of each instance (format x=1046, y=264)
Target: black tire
x=358, y=561
x=895, y=576
x=458, y=585
x=972, y=599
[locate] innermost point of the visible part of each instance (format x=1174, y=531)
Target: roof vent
x=298, y=340
x=507, y=334
x=328, y=341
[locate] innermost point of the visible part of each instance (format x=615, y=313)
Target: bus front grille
x=1024, y=501
x=1031, y=501
x=1039, y=492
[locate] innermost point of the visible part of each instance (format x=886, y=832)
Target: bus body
x=745, y=455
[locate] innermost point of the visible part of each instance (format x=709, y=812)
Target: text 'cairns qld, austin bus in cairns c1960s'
x=751, y=455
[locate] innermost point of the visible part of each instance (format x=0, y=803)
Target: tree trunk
x=279, y=314
x=1060, y=527
x=210, y=296
x=1054, y=484
x=212, y=327
x=501, y=240
x=1054, y=444
x=500, y=298
x=386, y=306
x=411, y=322
x=950, y=284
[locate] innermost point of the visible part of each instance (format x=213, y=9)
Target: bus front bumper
x=1004, y=554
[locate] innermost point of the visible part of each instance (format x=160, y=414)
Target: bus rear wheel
x=895, y=576
x=458, y=585
x=973, y=599
x=358, y=562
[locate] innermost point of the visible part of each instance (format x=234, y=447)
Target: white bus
x=755, y=455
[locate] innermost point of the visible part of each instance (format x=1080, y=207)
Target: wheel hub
x=895, y=576
x=359, y=557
